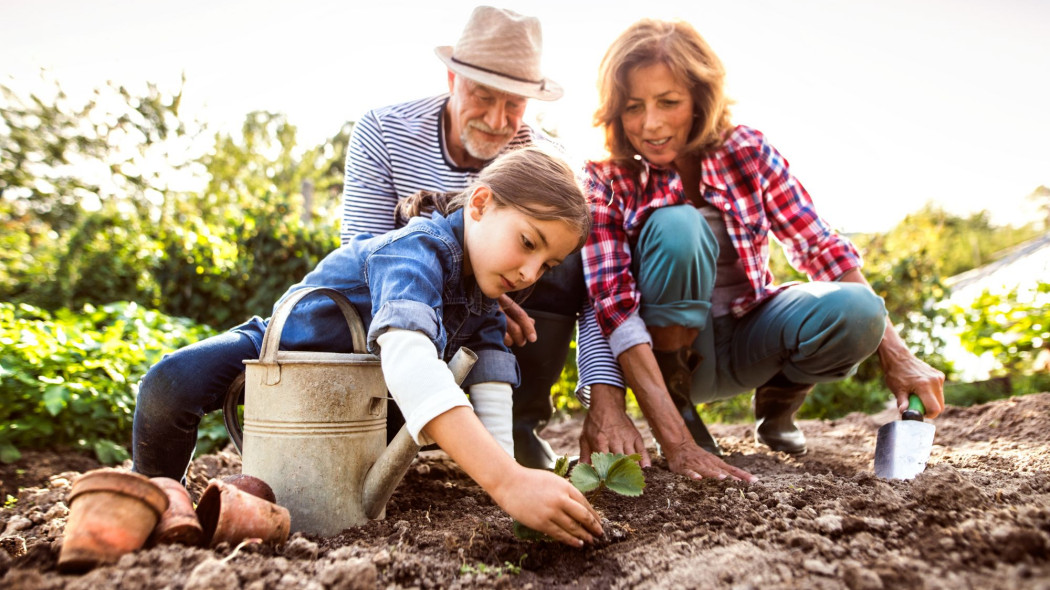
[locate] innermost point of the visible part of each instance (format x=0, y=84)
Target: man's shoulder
x=412, y=110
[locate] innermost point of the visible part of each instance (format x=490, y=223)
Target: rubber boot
x=775, y=405
x=541, y=363
x=677, y=368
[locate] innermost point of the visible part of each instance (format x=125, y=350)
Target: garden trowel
x=903, y=446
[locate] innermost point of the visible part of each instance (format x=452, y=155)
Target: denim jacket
x=410, y=278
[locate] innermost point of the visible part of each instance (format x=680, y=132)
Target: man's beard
x=480, y=149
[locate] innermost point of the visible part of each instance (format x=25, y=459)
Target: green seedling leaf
x=561, y=466
x=625, y=476
x=585, y=477
x=527, y=534
x=602, y=462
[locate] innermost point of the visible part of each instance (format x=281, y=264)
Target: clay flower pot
x=179, y=522
x=111, y=513
x=253, y=485
x=229, y=514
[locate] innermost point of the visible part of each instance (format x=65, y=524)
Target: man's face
x=482, y=120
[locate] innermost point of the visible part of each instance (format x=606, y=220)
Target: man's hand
x=608, y=429
x=521, y=329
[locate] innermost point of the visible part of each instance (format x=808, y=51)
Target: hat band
x=505, y=75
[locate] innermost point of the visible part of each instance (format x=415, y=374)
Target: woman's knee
x=680, y=234
x=863, y=315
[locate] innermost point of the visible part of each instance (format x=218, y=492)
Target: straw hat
x=501, y=49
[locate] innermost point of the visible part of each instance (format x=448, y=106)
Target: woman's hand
x=549, y=504
x=693, y=462
x=906, y=374
x=521, y=329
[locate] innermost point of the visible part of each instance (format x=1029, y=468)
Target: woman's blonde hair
x=529, y=179
x=692, y=62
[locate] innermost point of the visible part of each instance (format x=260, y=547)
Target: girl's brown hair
x=691, y=60
x=529, y=179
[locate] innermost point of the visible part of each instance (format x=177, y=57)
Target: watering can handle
x=271, y=345
x=272, y=338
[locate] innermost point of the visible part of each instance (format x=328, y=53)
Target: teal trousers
x=809, y=333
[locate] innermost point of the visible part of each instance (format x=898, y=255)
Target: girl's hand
x=538, y=499
x=549, y=504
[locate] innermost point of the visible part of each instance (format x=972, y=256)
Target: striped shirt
x=397, y=150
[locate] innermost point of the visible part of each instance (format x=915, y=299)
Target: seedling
x=620, y=473
x=615, y=471
x=498, y=571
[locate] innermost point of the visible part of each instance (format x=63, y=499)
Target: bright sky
x=879, y=105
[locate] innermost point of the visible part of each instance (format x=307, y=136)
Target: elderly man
x=440, y=143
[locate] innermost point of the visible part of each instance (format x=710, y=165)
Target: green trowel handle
x=915, y=409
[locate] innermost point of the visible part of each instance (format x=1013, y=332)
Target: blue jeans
x=174, y=396
x=810, y=333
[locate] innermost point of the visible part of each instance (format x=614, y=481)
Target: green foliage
x=496, y=571
x=1014, y=327
x=620, y=473
x=115, y=200
x=68, y=379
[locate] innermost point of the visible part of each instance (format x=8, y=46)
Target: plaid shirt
x=746, y=179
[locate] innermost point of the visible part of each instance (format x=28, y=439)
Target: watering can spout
x=390, y=468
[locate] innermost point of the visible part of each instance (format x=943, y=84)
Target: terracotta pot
x=253, y=485
x=179, y=522
x=229, y=514
x=111, y=513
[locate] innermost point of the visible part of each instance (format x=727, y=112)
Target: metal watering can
x=315, y=426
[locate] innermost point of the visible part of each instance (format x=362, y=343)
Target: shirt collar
x=477, y=302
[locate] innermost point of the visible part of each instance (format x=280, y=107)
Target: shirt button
x=727, y=206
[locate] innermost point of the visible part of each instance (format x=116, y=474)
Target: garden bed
x=979, y=517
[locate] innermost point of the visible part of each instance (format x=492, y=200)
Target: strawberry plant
x=614, y=471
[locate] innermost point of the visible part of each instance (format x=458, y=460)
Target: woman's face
x=658, y=114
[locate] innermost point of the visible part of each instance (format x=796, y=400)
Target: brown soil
x=979, y=517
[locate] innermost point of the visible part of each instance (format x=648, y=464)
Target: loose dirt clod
x=978, y=517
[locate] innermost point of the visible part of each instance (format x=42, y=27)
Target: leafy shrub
x=1013, y=326
x=68, y=379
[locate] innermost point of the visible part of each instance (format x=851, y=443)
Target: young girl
x=422, y=291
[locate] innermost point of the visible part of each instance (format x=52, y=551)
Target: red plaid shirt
x=746, y=179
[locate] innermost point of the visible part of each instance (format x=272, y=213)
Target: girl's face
x=506, y=250
x=658, y=114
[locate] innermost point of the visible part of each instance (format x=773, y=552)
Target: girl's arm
x=493, y=405
x=538, y=499
x=436, y=409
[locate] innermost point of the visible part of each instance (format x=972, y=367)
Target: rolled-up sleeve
x=812, y=245
x=607, y=254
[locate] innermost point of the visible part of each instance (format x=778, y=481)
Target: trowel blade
x=902, y=448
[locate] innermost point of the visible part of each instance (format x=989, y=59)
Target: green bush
x=69, y=379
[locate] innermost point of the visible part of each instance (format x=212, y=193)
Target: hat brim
x=545, y=90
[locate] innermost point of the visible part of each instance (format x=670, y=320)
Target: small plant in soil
x=614, y=471
x=497, y=571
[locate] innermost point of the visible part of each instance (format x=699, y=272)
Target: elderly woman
x=677, y=265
